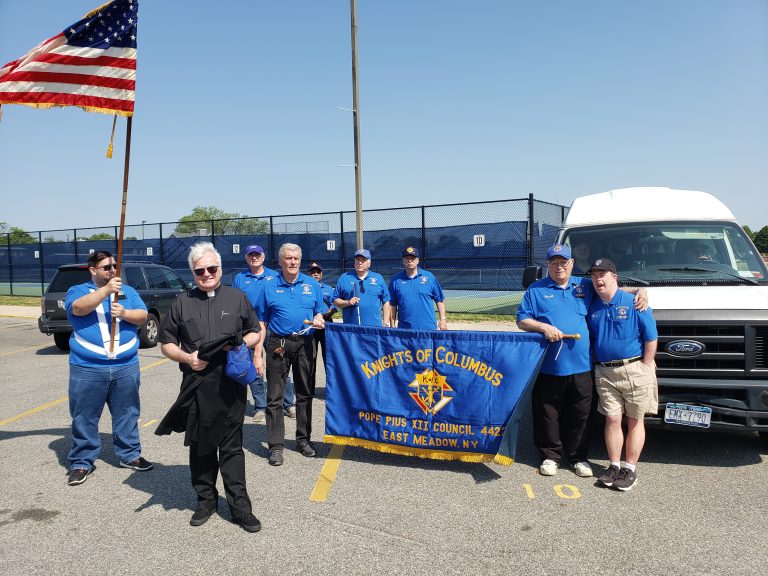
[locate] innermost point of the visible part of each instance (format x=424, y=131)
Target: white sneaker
x=260, y=416
x=548, y=468
x=582, y=469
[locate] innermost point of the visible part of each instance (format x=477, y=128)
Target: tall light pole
x=356, y=121
x=142, y=229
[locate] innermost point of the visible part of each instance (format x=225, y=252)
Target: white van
x=708, y=287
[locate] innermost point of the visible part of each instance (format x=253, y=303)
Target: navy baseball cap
x=254, y=248
x=602, y=264
x=315, y=266
x=364, y=253
x=559, y=250
x=411, y=251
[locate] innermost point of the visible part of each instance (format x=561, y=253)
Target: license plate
x=688, y=415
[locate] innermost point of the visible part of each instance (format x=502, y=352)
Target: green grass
x=20, y=301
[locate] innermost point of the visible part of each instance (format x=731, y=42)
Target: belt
x=295, y=337
x=614, y=363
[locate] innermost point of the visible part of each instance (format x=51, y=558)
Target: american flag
x=92, y=64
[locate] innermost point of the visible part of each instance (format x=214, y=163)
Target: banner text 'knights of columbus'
x=448, y=395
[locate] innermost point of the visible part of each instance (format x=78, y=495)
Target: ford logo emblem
x=685, y=348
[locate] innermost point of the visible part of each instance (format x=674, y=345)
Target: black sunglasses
x=107, y=267
x=201, y=271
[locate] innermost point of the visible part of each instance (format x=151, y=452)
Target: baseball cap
x=411, y=251
x=315, y=265
x=254, y=248
x=602, y=264
x=559, y=250
x=364, y=253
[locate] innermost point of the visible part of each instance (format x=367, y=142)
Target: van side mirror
x=531, y=274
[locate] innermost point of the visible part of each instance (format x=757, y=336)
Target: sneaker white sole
x=626, y=488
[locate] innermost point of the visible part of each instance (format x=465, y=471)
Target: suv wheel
x=62, y=340
x=149, y=332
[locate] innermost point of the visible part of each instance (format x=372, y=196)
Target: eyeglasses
x=107, y=267
x=559, y=264
x=211, y=270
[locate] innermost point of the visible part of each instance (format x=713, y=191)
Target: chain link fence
x=477, y=250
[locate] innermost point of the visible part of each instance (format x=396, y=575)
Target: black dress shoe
x=250, y=523
x=203, y=512
x=307, y=450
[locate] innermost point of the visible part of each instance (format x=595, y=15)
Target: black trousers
x=318, y=340
x=230, y=459
x=561, y=406
x=298, y=354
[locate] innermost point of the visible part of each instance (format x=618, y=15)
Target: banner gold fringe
x=86, y=108
x=418, y=452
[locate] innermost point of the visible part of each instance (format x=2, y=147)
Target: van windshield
x=670, y=253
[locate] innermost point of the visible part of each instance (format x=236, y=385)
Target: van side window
x=134, y=278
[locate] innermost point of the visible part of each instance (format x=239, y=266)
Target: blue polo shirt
x=89, y=343
x=619, y=331
x=253, y=284
x=565, y=309
x=373, y=293
x=327, y=292
x=284, y=306
x=414, y=298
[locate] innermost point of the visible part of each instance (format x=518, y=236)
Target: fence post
x=10, y=262
x=42, y=263
x=272, y=240
x=74, y=243
x=423, y=234
x=162, y=246
x=530, y=229
x=343, y=254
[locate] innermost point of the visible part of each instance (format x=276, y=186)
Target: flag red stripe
x=110, y=61
x=66, y=100
x=62, y=78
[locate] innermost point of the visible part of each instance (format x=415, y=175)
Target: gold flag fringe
x=45, y=106
x=418, y=452
x=95, y=10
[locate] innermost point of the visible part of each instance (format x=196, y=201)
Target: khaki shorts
x=630, y=389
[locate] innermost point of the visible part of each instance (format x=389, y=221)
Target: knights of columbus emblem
x=430, y=391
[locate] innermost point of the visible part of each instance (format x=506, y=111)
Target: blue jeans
x=89, y=390
x=259, y=392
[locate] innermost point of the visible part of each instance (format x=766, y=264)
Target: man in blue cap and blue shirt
x=252, y=282
x=562, y=395
x=362, y=295
x=414, y=293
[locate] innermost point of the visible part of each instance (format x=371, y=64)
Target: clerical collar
x=211, y=294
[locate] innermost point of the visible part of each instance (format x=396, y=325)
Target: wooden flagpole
x=122, y=222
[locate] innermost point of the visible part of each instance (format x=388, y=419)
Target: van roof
x=645, y=204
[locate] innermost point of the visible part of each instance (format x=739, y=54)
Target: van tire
x=149, y=332
x=62, y=340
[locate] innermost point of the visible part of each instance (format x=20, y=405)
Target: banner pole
x=122, y=222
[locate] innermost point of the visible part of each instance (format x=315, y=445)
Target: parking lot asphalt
x=700, y=506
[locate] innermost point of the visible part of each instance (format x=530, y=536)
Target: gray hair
x=198, y=250
x=288, y=246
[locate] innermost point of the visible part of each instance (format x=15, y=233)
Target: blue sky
x=237, y=107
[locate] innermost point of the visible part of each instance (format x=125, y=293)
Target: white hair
x=289, y=247
x=198, y=250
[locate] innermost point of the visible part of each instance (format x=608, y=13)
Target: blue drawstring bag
x=239, y=366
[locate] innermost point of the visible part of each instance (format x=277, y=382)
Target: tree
x=761, y=240
x=102, y=236
x=225, y=222
x=749, y=233
x=18, y=236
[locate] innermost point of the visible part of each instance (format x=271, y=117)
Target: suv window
x=64, y=279
x=134, y=278
x=174, y=280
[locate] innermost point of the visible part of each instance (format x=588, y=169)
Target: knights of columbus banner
x=451, y=395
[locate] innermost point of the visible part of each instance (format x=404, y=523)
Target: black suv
x=157, y=285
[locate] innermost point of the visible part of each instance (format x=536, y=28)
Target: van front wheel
x=149, y=332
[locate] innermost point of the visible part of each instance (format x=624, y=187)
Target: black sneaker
x=78, y=476
x=250, y=523
x=609, y=476
x=139, y=464
x=290, y=412
x=625, y=480
x=276, y=457
x=306, y=450
x=203, y=512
